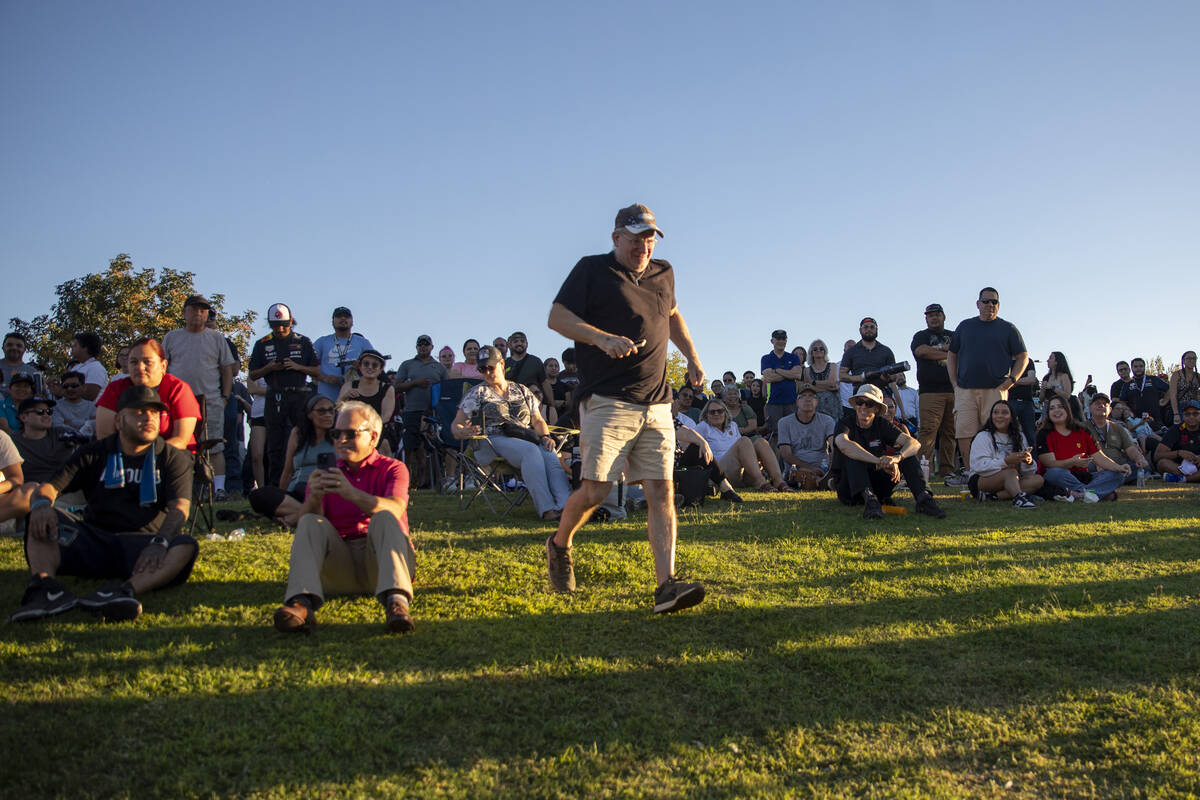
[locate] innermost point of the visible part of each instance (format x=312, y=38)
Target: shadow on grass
x=352, y=699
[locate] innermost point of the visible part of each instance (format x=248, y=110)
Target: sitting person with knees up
x=1178, y=454
x=870, y=476
x=1067, y=453
x=803, y=437
x=742, y=460
x=1001, y=462
x=139, y=491
x=353, y=531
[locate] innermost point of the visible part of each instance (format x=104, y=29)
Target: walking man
x=620, y=310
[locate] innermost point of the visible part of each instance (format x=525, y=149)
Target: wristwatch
x=161, y=541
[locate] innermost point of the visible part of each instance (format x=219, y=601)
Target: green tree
x=121, y=304
x=1156, y=366
x=676, y=368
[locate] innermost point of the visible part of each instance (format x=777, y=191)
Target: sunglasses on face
x=990, y=302
x=41, y=412
x=337, y=434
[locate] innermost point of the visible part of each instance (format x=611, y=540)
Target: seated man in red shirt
x=353, y=532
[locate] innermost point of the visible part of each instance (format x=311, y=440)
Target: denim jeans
x=1102, y=482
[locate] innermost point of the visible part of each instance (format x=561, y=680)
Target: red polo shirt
x=377, y=475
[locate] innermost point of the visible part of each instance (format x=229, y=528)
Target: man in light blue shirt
x=337, y=352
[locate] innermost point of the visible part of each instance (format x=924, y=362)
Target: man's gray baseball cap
x=637, y=219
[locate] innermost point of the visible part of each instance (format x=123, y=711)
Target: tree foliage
x=676, y=368
x=121, y=304
x=1156, y=366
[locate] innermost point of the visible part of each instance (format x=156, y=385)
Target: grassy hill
x=1044, y=653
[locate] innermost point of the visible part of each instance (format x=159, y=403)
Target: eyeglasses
x=861, y=403
x=337, y=434
x=41, y=412
x=371, y=364
x=817, y=349
x=489, y=368
x=990, y=301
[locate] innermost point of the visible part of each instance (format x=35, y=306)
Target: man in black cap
x=780, y=370
x=620, y=310
x=930, y=348
x=138, y=491
x=285, y=360
x=415, y=377
x=199, y=356
x=44, y=447
x=337, y=352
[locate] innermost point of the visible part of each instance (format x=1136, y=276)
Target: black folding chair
x=203, y=484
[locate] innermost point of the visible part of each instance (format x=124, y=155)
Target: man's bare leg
x=175, y=560
x=661, y=526
x=580, y=505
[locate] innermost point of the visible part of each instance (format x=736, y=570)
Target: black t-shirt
x=1019, y=392
x=1142, y=395
x=528, y=371
x=875, y=439
x=43, y=457
x=277, y=348
x=859, y=359
x=931, y=373
x=119, y=509
x=603, y=293
x=1117, y=387
x=1180, y=438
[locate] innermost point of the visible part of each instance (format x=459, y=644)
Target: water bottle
x=236, y=535
x=1141, y=478
x=925, y=468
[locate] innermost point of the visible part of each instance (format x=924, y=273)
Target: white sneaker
x=1023, y=501
x=1091, y=497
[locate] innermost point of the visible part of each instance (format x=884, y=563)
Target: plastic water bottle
x=1141, y=478
x=925, y=467
x=236, y=535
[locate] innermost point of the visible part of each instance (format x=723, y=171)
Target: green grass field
x=1045, y=653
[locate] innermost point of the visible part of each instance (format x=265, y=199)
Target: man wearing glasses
x=353, y=532
x=987, y=357
x=73, y=412
x=620, y=310
x=43, y=446
x=869, y=475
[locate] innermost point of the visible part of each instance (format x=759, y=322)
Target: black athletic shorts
x=90, y=552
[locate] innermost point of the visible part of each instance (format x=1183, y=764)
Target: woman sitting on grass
x=1002, y=460
x=1066, y=451
x=306, y=443
x=738, y=456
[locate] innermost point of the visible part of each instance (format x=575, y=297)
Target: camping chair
x=438, y=441
x=202, y=476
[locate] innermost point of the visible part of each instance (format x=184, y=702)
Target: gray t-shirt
x=417, y=398
x=43, y=457
x=79, y=417
x=197, y=358
x=807, y=440
x=985, y=351
x=8, y=452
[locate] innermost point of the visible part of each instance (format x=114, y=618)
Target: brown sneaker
x=295, y=617
x=560, y=566
x=397, y=618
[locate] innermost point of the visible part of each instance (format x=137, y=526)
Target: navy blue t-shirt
x=985, y=351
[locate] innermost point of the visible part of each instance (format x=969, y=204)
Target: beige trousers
x=323, y=562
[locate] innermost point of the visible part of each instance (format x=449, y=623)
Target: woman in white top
x=1003, y=460
x=738, y=456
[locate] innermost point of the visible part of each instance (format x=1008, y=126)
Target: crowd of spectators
x=981, y=416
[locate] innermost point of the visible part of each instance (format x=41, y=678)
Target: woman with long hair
x=372, y=389
x=1066, y=452
x=307, y=442
x=741, y=459
x=743, y=416
x=1002, y=460
x=1059, y=382
x=757, y=400
x=1184, y=385
x=823, y=375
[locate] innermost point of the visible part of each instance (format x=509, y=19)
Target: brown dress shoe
x=295, y=617
x=397, y=618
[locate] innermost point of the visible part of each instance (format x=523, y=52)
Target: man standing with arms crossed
x=620, y=310
x=987, y=357
x=930, y=348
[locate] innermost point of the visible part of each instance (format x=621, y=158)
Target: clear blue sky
x=439, y=167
